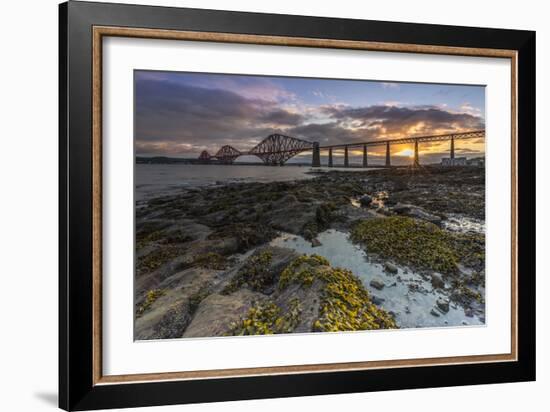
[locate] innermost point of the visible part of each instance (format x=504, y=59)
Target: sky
x=180, y=114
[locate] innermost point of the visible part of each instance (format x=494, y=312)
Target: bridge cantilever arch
x=277, y=149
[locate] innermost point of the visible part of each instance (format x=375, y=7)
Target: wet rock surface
x=204, y=267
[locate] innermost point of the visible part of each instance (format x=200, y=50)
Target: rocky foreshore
x=205, y=267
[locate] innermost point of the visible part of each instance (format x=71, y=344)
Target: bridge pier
x=365, y=161
x=346, y=158
x=388, y=159
x=316, y=158
x=452, y=147
x=330, y=157
x=416, y=162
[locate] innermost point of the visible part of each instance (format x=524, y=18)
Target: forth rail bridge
x=276, y=149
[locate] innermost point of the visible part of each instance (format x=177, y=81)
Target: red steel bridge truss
x=276, y=149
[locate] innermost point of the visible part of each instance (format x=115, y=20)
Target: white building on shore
x=462, y=161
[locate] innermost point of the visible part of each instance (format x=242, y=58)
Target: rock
x=437, y=281
x=389, y=202
x=216, y=312
x=421, y=214
x=416, y=212
x=315, y=242
x=407, y=310
x=469, y=313
x=365, y=200
x=377, y=283
x=401, y=208
x=390, y=267
x=376, y=300
x=434, y=313
x=443, y=304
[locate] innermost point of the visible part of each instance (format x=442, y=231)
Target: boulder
x=390, y=268
x=434, y=312
x=377, y=283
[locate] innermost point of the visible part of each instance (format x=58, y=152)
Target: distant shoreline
x=161, y=160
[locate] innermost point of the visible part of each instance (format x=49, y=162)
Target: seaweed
x=150, y=298
x=419, y=244
x=211, y=260
x=265, y=318
x=255, y=274
x=345, y=303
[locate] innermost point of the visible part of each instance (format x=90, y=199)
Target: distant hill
x=164, y=160
x=179, y=160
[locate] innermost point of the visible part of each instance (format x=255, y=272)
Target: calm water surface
x=153, y=180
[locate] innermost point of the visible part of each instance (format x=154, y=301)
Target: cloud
x=182, y=119
x=399, y=121
x=468, y=108
x=169, y=114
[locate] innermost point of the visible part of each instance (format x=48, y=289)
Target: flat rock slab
x=216, y=313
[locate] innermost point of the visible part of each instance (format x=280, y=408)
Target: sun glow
x=406, y=153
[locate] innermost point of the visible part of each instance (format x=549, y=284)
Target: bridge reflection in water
x=276, y=149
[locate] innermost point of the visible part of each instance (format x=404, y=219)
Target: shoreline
x=192, y=244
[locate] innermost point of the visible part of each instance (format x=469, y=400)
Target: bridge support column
x=416, y=162
x=452, y=147
x=388, y=160
x=365, y=160
x=330, y=157
x=346, y=158
x=316, y=158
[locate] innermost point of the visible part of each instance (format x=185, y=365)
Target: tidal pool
x=407, y=294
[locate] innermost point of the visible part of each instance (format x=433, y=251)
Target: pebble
x=434, y=313
x=442, y=304
x=376, y=300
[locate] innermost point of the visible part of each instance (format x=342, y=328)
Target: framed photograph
x=257, y=205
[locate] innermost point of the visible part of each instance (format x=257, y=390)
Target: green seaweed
x=155, y=259
x=301, y=270
x=211, y=260
x=150, y=298
x=247, y=235
x=419, y=244
x=255, y=274
x=345, y=304
x=265, y=318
